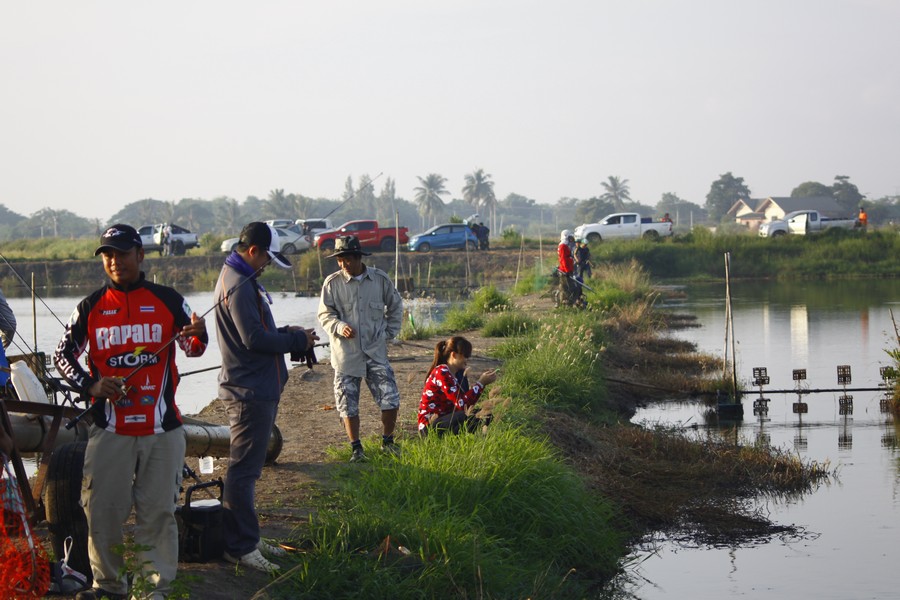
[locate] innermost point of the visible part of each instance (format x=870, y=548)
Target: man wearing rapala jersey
x=130, y=328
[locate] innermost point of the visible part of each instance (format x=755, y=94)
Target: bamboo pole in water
x=729, y=325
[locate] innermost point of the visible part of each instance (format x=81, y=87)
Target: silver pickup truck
x=182, y=239
x=803, y=222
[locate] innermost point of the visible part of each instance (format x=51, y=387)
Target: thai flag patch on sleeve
x=147, y=309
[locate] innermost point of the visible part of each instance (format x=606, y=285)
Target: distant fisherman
x=136, y=447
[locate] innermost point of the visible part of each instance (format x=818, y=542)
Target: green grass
x=488, y=300
x=699, y=254
x=499, y=515
x=458, y=320
x=559, y=366
x=508, y=324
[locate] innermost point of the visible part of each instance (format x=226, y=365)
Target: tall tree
x=366, y=200
x=428, y=196
x=8, y=217
x=387, y=200
x=679, y=209
x=479, y=192
x=617, y=192
x=593, y=209
x=809, y=189
x=723, y=193
x=846, y=194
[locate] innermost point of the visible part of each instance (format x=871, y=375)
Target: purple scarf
x=237, y=262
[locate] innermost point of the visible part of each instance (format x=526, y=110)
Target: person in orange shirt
x=863, y=218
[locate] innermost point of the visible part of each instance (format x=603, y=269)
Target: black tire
x=62, y=502
x=327, y=246
x=424, y=247
x=472, y=246
x=651, y=235
x=593, y=237
x=388, y=244
x=178, y=248
x=778, y=233
x=288, y=249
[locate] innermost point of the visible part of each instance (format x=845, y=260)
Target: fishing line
x=26, y=284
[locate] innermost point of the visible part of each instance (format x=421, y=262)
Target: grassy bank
x=833, y=254
x=545, y=503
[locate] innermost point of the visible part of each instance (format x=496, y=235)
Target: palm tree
x=278, y=205
x=428, y=196
x=616, y=192
x=479, y=192
x=387, y=199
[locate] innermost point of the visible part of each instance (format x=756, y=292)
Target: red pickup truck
x=371, y=236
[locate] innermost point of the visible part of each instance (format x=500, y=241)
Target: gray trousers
x=121, y=470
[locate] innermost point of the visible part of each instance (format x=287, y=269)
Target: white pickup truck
x=803, y=222
x=182, y=239
x=626, y=226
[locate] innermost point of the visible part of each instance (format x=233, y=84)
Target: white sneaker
x=267, y=548
x=254, y=560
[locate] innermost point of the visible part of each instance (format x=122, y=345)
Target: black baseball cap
x=264, y=236
x=119, y=237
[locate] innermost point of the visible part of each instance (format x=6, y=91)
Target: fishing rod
x=575, y=279
x=220, y=366
x=354, y=194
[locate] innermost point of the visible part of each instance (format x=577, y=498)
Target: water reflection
x=854, y=524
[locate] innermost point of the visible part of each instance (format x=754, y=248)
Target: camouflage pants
x=380, y=379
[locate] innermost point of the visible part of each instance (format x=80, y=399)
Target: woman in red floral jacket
x=447, y=396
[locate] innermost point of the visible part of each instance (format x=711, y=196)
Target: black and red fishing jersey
x=122, y=330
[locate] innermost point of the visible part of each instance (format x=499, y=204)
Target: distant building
x=751, y=213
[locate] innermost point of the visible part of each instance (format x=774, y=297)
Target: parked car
x=279, y=222
x=370, y=235
x=292, y=240
x=626, y=226
x=450, y=235
x=182, y=239
x=803, y=222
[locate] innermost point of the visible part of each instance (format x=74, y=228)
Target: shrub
x=508, y=324
x=487, y=299
x=459, y=319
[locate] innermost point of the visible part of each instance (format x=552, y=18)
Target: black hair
x=442, y=350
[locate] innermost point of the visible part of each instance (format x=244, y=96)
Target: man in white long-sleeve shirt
x=361, y=310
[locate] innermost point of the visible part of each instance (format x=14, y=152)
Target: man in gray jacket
x=361, y=310
x=250, y=384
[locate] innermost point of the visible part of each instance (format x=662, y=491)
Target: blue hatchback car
x=451, y=235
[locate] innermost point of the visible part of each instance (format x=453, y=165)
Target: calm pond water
x=849, y=528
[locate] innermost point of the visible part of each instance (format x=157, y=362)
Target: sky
x=104, y=103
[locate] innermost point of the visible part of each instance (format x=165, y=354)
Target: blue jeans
x=251, y=427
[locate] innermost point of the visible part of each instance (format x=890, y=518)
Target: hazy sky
x=104, y=103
